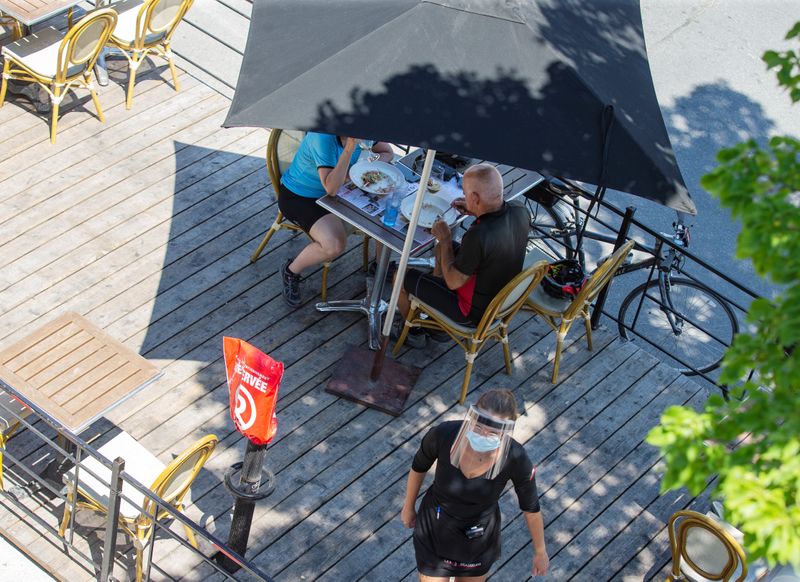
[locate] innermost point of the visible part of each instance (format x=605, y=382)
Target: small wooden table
x=74, y=371
x=30, y=12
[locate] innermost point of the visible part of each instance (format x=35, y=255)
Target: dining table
x=71, y=373
x=365, y=212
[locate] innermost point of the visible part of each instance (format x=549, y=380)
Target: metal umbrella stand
x=367, y=377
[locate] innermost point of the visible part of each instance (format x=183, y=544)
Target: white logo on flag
x=245, y=410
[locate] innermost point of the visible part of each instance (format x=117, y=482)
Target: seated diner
x=319, y=168
x=466, y=277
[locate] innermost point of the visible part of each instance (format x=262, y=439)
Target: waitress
x=457, y=529
x=319, y=168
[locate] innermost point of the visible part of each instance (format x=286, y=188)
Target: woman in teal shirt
x=318, y=169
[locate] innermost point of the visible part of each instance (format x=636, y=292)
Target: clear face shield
x=482, y=444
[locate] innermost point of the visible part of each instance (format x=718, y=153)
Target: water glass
x=392, y=209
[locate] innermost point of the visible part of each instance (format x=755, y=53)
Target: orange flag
x=253, y=382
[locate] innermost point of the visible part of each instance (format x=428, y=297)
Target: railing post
x=112, y=521
x=622, y=235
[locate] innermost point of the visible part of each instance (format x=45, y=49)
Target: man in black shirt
x=492, y=252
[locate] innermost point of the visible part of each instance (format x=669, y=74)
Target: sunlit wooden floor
x=145, y=225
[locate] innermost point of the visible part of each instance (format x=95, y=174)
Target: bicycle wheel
x=704, y=323
x=548, y=230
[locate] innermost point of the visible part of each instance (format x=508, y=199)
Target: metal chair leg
x=133, y=66
x=272, y=230
x=412, y=313
x=506, y=352
x=4, y=84
x=56, y=101
x=559, y=345
x=470, y=357
x=95, y=100
x=588, y=323
x=324, y=291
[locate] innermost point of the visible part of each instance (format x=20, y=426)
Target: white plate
x=390, y=180
x=432, y=206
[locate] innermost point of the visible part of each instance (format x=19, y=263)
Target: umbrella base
x=351, y=380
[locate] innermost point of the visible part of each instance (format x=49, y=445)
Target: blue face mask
x=482, y=443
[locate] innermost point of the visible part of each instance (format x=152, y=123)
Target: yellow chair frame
x=282, y=223
x=57, y=86
x=677, y=542
x=13, y=24
x=561, y=321
x=142, y=526
x=493, y=325
x=138, y=51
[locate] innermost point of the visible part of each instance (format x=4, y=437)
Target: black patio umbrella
x=558, y=86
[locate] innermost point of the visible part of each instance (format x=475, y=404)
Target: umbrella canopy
x=523, y=82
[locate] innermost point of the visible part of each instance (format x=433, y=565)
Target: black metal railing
x=603, y=227
x=68, y=451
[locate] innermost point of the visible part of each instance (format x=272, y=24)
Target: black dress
x=458, y=522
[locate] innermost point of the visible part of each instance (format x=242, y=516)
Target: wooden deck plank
x=386, y=466
x=152, y=244
x=364, y=558
x=58, y=205
x=88, y=287
x=161, y=214
x=31, y=143
x=578, y=380
x=46, y=174
x=594, y=482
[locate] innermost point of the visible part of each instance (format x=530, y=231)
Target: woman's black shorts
x=301, y=210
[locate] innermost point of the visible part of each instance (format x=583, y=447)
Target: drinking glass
x=366, y=147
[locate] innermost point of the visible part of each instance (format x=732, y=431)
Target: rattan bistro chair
x=146, y=27
x=281, y=149
x=60, y=61
x=493, y=324
x=703, y=550
x=171, y=483
x=11, y=411
x=559, y=314
x=10, y=28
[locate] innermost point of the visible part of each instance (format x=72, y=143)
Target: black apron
x=454, y=545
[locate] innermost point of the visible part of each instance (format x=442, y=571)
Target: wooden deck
x=145, y=225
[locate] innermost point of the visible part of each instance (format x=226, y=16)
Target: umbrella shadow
x=487, y=107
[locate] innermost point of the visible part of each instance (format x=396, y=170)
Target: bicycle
x=678, y=315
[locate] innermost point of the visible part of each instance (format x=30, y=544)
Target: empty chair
x=10, y=28
x=493, y=324
x=169, y=482
x=281, y=149
x=11, y=410
x=561, y=313
x=146, y=27
x=702, y=550
x=60, y=61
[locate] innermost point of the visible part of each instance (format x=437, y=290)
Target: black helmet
x=564, y=279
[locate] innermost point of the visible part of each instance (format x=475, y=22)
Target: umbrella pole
x=380, y=354
x=380, y=383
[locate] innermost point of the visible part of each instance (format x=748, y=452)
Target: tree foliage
x=751, y=442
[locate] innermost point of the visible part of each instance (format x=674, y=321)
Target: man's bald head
x=483, y=188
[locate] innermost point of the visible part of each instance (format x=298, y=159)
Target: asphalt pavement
x=715, y=91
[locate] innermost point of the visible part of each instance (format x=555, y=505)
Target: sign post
x=253, y=382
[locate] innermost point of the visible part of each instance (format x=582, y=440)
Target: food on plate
x=434, y=186
x=373, y=177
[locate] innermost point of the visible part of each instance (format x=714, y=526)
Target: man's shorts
x=435, y=292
